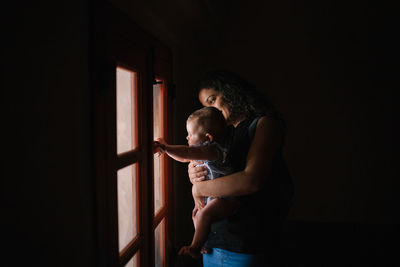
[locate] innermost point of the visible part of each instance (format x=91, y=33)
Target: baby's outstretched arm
x=185, y=153
x=175, y=152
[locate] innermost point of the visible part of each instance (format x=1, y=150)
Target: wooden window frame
x=116, y=41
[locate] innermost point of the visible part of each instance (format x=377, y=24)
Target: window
x=158, y=131
x=127, y=176
x=132, y=108
x=159, y=173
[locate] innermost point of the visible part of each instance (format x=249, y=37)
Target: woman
x=261, y=182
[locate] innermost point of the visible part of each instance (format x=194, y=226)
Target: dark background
x=328, y=66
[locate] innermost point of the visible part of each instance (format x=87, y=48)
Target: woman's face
x=211, y=98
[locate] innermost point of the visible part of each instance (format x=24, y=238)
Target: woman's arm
x=265, y=144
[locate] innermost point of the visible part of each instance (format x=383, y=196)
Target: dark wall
x=328, y=67
x=47, y=186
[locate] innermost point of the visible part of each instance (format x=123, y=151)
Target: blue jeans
x=225, y=258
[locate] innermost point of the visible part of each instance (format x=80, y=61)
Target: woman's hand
x=196, y=174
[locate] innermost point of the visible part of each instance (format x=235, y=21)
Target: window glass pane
x=134, y=261
x=158, y=122
x=159, y=236
x=157, y=109
x=126, y=114
x=127, y=208
x=158, y=182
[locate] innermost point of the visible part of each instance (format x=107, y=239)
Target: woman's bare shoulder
x=269, y=125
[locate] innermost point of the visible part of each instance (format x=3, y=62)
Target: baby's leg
x=215, y=210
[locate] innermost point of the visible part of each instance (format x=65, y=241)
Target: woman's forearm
x=263, y=149
x=237, y=184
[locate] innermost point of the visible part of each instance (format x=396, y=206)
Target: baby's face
x=195, y=135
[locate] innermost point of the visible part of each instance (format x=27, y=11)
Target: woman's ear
x=210, y=137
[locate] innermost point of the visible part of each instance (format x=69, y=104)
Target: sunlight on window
x=127, y=210
x=158, y=132
x=126, y=117
x=159, y=235
x=134, y=261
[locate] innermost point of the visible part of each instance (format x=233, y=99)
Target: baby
x=207, y=131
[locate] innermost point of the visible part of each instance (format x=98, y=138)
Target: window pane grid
x=128, y=155
x=134, y=262
x=159, y=244
x=126, y=109
x=127, y=205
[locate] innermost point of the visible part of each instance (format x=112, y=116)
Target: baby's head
x=205, y=124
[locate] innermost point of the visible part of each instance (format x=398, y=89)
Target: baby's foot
x=205, y=250
x=188, y=250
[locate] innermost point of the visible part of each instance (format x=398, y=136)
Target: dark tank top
x=256, y=226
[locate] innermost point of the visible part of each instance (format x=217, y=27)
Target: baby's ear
x=210, y=137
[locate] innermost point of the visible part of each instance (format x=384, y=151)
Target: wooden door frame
x=110, y=31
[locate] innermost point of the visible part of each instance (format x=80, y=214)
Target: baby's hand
x=161, y=141
x=158, y=147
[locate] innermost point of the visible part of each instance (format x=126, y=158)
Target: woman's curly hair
x=242, y=98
